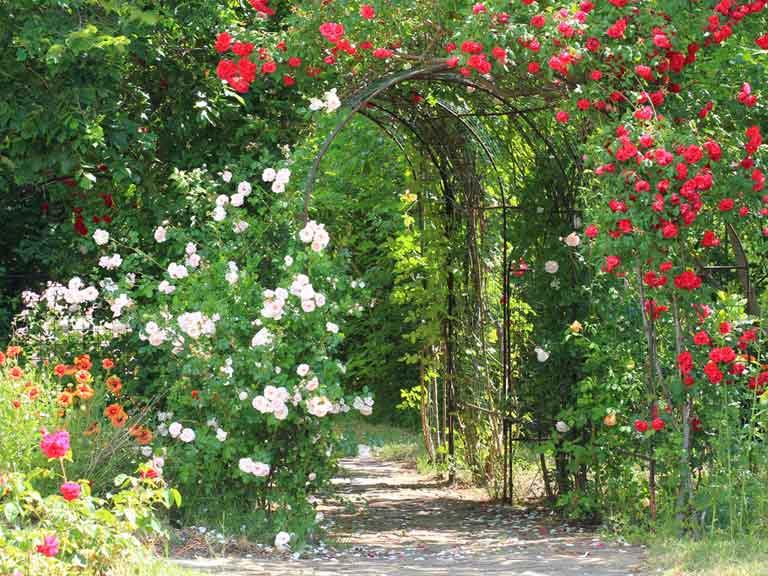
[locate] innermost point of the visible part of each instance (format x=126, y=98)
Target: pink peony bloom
x=70, y=491
x=55, y=445
x=49, y=547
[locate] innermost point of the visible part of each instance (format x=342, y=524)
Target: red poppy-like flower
x=107, y=363
x=13, y=351
x=16, y=373
x=60, y=370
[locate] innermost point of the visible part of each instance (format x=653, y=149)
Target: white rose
x=187, y=435
x=551, y=267
x=269, y=175
x=219, y=214
x=101, y=237
x=541, y=354
x=572, y=240
x=226, y=175
x=221, y=435
x=244, y=188
x=175, y=429
x=562, y=427
x=281, y=540
x=160, y=234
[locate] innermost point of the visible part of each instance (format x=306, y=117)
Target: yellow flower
x=575, y=327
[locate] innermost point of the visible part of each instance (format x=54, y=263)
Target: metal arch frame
x=359, y=101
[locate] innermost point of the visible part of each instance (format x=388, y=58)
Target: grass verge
x=716, y=556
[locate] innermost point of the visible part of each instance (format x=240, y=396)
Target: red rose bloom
x=367, y=12
x=657, y=424
x=641, y=426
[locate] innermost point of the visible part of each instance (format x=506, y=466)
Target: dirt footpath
x=407, y=525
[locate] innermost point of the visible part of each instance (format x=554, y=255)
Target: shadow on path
x=407, y=525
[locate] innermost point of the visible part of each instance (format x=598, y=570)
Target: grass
x=147, y=565
x=747, y=556
x=387, y=441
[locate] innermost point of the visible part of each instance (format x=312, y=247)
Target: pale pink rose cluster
x=319, y=406
x=177, y=431
x=196, y=324
x=248, y=466
x=275, y=401
x=192, y=258
x=314, y=234
x=274, y=303
x=310, y=300
x=262, y=338
x=279, y=178
x=363, y=405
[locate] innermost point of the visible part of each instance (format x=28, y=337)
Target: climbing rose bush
x=231, y=328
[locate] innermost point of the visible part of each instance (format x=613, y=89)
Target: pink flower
x=55, y=445
x=70, y=491
x=49, y=547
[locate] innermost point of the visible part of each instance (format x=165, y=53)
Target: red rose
x=641, y=426
x=223, y=41
x=657, y=424
x=367, y=12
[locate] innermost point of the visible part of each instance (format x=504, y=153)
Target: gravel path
x=407, y=525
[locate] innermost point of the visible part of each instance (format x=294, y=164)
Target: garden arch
x=462, y=152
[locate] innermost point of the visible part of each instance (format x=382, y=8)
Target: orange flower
x=16, y=404
x=113, y=410
x=114, y=385
x=16, y=373
x=83, y=376
x=107, y=364
x=65, y=399
x=60, y=370
x=142, y=435
x=33, y=393
x=13, y=351
x=92, y=429
x=120, y=420
x=84, y=392
x=83, y=362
